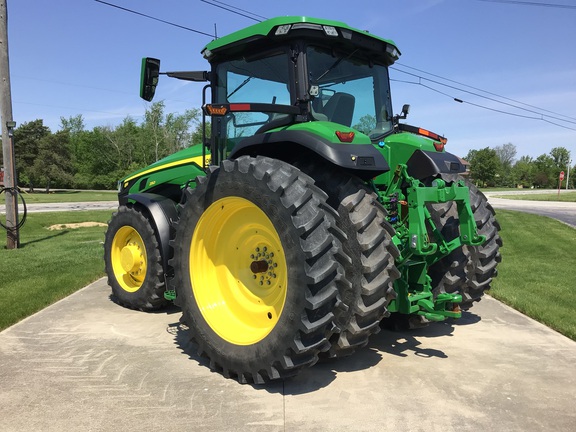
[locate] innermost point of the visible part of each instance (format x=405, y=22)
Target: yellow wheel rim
x=238, y=271
x=128, y=257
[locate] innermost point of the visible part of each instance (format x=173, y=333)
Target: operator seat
x=340, y=108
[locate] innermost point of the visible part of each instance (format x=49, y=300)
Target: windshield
x=351, y=90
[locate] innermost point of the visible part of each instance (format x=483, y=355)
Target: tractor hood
x=185, y=156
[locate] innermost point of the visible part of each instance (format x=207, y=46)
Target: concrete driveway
x=86, y=364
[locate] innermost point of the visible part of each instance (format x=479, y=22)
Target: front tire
x=255, y=269
x=133, y=262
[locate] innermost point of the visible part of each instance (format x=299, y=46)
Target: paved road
x=562, y=211
x=74, y=206
x=565, y=212
x=87, y=364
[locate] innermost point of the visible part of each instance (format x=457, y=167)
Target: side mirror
x=403, y=114
x=405, y=111
x=149, y=77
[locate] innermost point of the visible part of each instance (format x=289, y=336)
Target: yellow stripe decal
x=197, y=160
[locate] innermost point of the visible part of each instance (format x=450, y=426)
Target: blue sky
x=70, y=57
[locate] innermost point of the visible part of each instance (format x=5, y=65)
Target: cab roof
x=275, y=31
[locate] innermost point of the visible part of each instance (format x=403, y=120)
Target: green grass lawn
x=68, y=196
x=537, y=274
x=49, y=265
x=564, y=196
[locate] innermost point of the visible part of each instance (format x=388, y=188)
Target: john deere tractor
x=309, y=213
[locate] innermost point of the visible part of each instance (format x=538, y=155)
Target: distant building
x=466, y=165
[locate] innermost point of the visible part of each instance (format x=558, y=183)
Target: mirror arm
x=197, y=76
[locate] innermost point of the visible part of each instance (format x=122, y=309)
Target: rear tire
x=133, y=262
x=371, y=271
x=255, y=269
x=468, y=271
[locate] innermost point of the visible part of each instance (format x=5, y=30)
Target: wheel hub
x=131, y=258
x=263, y=266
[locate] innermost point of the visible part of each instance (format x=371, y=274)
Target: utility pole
x=8, y=124
x=568, y=176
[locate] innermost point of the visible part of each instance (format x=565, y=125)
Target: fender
x=164, y=213
x=363, y=160
x=423, y=164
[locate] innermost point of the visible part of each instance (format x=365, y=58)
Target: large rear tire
x=255, y=269
x=371, y=271
x=468, y=271
x=133, y=262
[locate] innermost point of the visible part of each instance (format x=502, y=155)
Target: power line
x=541, y=116
x=244, y=13
x=485, y=97
x=527, y=3
x=459, y=100
x=154, y=18
x=483, y=91
x=68, y=107
x=234, y=9
x=68, y=84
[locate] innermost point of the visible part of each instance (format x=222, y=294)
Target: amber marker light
x=346, y=137
x=216, y=110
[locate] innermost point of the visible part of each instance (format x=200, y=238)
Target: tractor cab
x=292, y=71
x=310, y=76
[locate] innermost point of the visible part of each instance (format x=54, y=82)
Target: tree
x=561, y=157
x=197, y=135
x=544, y=168
x=53, y=166
x=471, y=154
x=506, y=153
x=96, y=162
x=366, y=124
x=523, y=172
x=177, y=130
x=72, y=124
x=166, y=134
x=484, y=165
x=27, y=139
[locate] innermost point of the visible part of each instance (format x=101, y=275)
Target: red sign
x=561, y=175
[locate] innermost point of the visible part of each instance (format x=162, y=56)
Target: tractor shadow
x=388, y=342
x=170, y=309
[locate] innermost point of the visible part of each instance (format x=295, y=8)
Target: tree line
x=499, y=167
x=74, y=157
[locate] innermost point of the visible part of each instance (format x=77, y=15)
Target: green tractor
x=308, y=216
